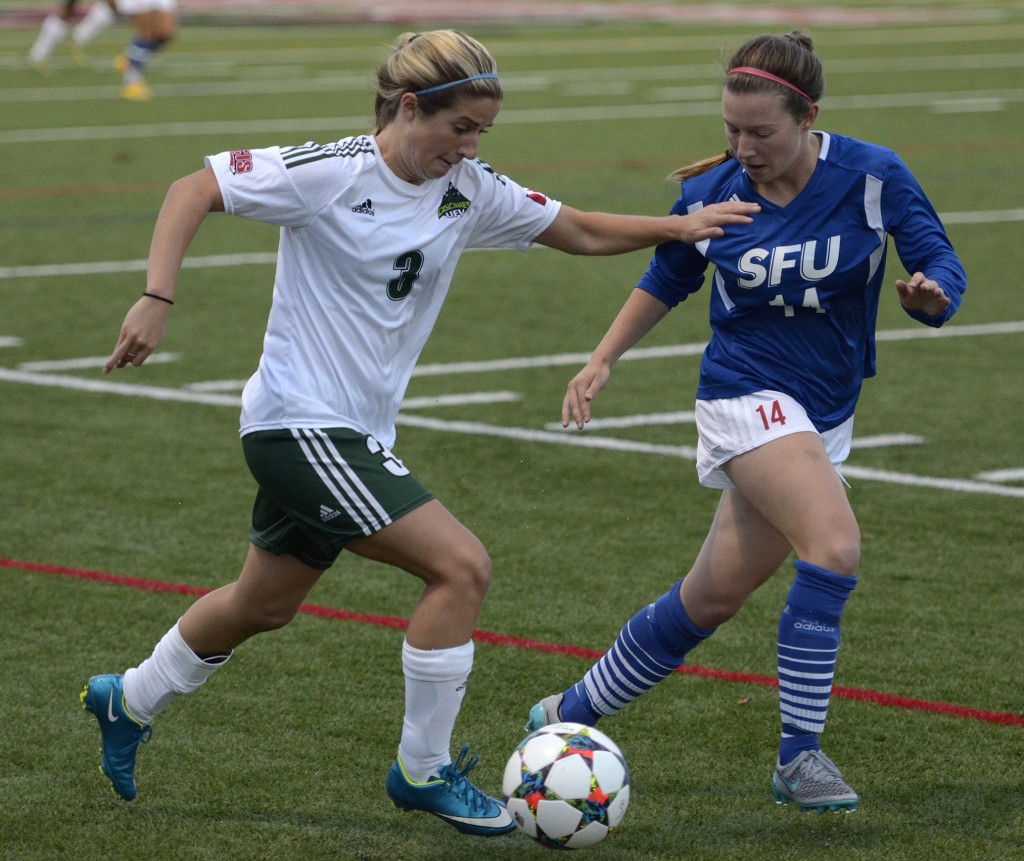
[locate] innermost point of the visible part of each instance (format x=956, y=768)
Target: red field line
x=494, y=639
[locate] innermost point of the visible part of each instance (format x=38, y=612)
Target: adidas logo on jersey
x=328, y=513
x=364, y=208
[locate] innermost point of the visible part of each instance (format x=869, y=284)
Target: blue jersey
x=795, y=295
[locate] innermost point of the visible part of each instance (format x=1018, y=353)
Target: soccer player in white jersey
x=57, y=25
x=155, y=24
x=793, y=307
x=372, y=227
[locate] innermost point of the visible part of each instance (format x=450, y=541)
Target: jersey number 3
x=409, y=265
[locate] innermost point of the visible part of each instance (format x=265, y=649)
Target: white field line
x=682, y=417
x=546, y=11
x=393, y=12
x=564, y=80
x=689, y=417
x=88, y=362
x=361, y=58
x=217, y=386
x=460, y=400
x=107, y=387
x=336, y=126
x=689, y=453
x=673, y=351
x=267, y=258
x=981, y=217
x=558, y=438
x=884, y=440
x=902, y=478
x=986, y=483
x=113, y=267
x=1001, y=475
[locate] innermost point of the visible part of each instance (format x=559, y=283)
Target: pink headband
x=759, y=73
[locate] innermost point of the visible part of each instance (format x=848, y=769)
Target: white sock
x=51, y=34
x=435, y=683
x=96, y=20
x=172, y=670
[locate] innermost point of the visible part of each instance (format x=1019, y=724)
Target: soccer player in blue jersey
x=372, y=228
x=794, y=301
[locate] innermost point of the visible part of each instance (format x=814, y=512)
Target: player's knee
x=468, y=568
x=840, y=554
x=270, y=616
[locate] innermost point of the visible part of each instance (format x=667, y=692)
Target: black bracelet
x=161, y=298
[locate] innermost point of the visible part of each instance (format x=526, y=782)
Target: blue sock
x=139, y=54
x=807, y=649
x=650, y=646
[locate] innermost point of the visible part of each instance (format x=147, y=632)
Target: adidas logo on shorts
x=328, y=513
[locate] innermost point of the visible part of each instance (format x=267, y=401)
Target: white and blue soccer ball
x=566, y=786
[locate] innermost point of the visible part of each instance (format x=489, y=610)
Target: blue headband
x=488, y=76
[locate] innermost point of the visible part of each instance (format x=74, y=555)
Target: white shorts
x=140, y=7
x=731, y=426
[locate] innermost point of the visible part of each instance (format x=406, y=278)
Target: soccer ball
x=566, y=786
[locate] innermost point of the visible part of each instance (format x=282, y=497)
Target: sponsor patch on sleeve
x=241, y=161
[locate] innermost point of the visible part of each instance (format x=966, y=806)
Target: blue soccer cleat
x=451, y=798
x=121, y=733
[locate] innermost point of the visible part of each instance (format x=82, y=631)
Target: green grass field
x=140, y=475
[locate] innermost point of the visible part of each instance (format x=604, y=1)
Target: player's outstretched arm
x=602, y=233
x=188, y=202
x=638, y=316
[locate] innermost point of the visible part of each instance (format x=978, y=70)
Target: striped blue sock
x=139, y=54
x=807, y=649
x=649, y=647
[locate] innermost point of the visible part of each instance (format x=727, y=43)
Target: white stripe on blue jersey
x=796, y=292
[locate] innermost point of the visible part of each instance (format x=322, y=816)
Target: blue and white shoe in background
x=451, y=798
x=121, y=733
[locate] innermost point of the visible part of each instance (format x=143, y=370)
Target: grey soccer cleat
x=813, y=782
x=544, y=713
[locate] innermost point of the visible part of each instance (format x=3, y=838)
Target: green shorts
x=318, y=489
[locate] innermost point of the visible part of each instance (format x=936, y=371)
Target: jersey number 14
x=774, y=417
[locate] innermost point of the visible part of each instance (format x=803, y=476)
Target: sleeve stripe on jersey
x=311, y=152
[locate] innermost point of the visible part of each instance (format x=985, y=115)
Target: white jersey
x=128, y=8
x=364, y=264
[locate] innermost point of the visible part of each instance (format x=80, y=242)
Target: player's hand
x=922, y=295
x=142, y=330
x=582, y=389
x=707, y=223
